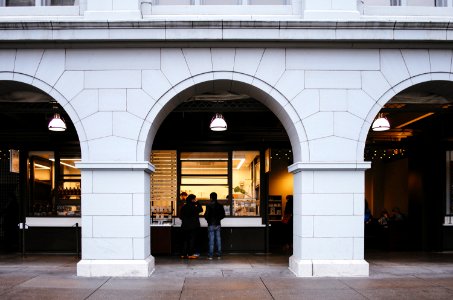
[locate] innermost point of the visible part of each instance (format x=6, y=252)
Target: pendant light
x=57, y=123
x=381, y=123
x=218, y=123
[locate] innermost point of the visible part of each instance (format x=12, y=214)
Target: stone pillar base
x=329, y=268
x=116, y=268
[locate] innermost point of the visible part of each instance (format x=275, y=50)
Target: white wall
x=325, y=98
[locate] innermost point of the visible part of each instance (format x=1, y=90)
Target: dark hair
x=190, y=198
x=213, y=196
x=183, y=194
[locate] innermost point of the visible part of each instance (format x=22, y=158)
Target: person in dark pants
x=213, y=215
x=190, y=225
x=288, y=223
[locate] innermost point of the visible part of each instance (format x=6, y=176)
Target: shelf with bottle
x=274, y=207
x=68, y=210
x=162, y=214
x=69, y=192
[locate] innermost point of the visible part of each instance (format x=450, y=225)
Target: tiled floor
x=236, y=276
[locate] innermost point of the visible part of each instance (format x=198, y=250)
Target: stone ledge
x=328, y=166
x=116, y=165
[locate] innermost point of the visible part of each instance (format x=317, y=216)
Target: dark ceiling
x=25, y=112
x=424, y=110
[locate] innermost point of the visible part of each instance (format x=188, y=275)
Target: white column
x=113, y=9
x=115, y=219
x=328, y=238
x=331, y=10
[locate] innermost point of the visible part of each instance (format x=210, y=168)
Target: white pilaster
x=328, y=238
x=115, y=219
x=328, y=10
x=113, y=10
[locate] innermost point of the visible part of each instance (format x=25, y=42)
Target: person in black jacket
x=214, y=213
x=190, y=225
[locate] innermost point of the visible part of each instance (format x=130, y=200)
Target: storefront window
x=54, y=187
x=203, y=173
x=246, y=183
x=39, y=2
x=20, y=3
x=69, y=193
x=234, y=176
x=41, y=183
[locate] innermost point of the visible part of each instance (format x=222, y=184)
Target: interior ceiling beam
x=222, y=106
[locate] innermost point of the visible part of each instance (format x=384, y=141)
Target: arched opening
x=408, y=187
x=246, y=165
x=38, y=177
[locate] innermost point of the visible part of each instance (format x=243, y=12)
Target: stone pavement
x=236, y=276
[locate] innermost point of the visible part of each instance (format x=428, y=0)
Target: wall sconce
x=218, y=123
x=380, y=123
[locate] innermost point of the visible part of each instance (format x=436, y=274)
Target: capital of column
x=329, y=166
x=116, y=165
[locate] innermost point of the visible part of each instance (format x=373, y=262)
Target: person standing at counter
x=213, y=215
x=189, y=226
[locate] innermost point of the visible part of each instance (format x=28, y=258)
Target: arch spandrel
x=388, y=95
x=274, y=100
x=58, y=97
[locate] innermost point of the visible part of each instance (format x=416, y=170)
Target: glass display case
x=245, y=166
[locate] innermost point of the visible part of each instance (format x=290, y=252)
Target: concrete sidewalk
x=236, y=276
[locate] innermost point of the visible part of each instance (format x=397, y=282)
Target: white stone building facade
x=324, y=68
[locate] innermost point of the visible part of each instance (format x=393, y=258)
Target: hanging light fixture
x=57, y=123
x=218, y=123
x=381, y=123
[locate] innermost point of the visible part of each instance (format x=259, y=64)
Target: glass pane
x=202, y=192
x=204, y=163
x=246, y=200
x=380, y=2
x=214, y=168
x=173, y=2
x=41, y=183
x=421, y=3
x=221, y=2
x=69, y=190
x=268, y=2
x=20, y=3
x=204, y=180
x=200, y=156
x=61, y=2
x=204, y=167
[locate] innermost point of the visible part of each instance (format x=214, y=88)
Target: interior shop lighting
x=64, y=164
x=381, y=123
x=218, y=123
x=57, y=123
x=241, y=162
